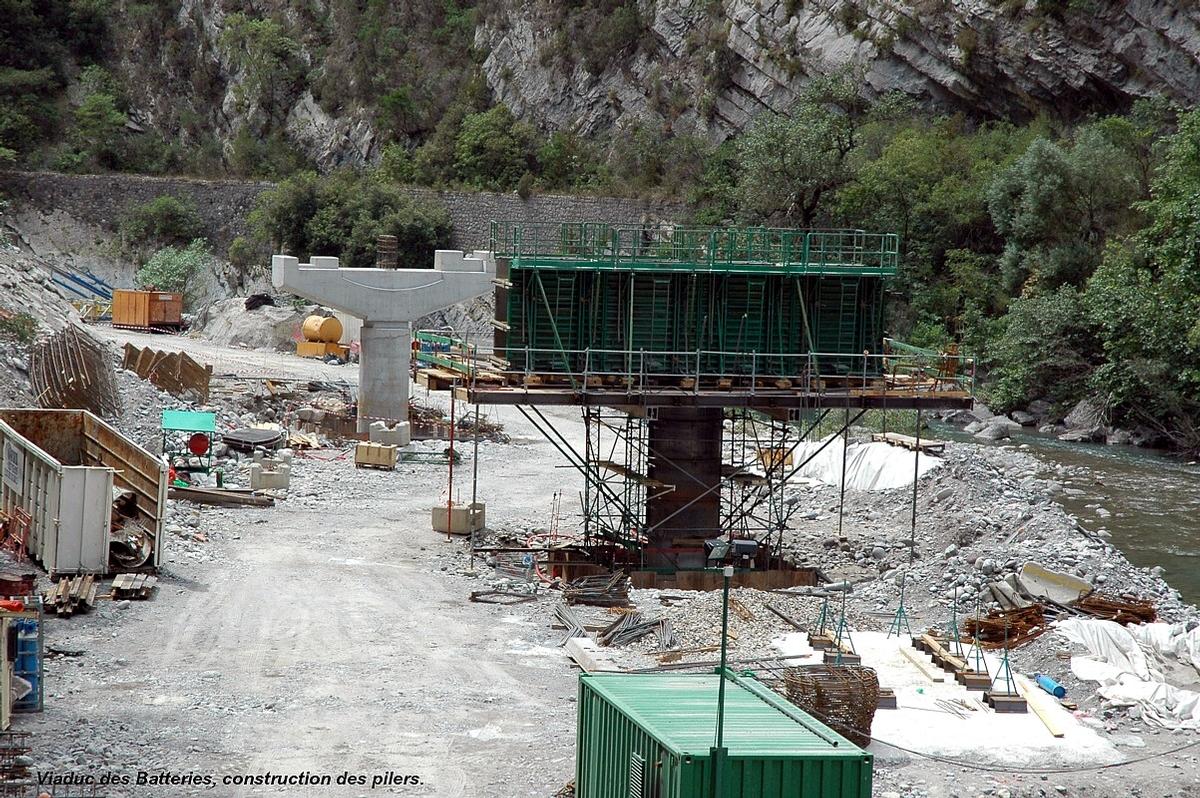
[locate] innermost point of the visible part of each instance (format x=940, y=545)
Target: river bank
x=1146, y=500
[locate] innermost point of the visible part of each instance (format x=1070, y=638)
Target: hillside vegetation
x=1062, y=250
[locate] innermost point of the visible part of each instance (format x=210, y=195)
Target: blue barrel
x=1050, y=686
x=28, y=665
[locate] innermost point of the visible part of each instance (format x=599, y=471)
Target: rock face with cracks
x=745, y=57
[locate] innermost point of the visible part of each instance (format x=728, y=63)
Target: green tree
x=790, y=166
x=161, y=221
x=36, y=40
x=1145, y=299
x=565, y=161
x=269, y=58
x=493, y=150
x=97, y=134
x=343, y=214
x=1048, y=349
x=1058, y=203
x=927, y=181
x=175, y=268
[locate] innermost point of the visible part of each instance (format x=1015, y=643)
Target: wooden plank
x=589, y=656
x=741, y=609
x=220, y=497
x=924, y=667
x=1033, y=697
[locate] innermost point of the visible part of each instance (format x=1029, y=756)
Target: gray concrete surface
x=387, y=301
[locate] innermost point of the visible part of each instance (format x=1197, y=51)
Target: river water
x=1153, y=501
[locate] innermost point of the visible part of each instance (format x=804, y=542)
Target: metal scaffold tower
x=701, y=360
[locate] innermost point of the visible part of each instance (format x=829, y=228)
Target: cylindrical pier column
x=383, y=372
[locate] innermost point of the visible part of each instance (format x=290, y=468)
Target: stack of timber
x=174, y=372
x=72, y=370
x=71, y=595
x=133, y=586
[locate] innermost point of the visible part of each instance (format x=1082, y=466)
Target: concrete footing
x=464, y=518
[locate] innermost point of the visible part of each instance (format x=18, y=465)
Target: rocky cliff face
x=184, y=80
x=702, y=66
x=711, y=67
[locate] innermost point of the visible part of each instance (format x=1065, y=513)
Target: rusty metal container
x=143, y=310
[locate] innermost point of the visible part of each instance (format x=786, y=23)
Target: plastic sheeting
x=1118, y=661
x=869, y=466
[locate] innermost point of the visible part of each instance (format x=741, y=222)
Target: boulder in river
x=1118, y=437
x=1083, y=435
x=993, y=432
x=1087, y=414
x=961, y=418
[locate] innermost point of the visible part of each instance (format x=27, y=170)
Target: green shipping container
x=650, y=736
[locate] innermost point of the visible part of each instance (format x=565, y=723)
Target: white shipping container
x=69, y=505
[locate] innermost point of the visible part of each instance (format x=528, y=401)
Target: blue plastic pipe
x=1050, y=686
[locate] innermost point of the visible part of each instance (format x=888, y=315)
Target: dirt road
x=329, y=634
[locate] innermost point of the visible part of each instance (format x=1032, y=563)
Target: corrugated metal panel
x=774, y=749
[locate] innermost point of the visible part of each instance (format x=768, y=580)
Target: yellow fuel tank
x=322, y=329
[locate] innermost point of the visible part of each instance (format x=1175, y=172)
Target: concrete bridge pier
x=387, y=301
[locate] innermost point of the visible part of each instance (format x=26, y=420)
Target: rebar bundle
x=603, y=590
x=1122, y=610
x=632, y=626
x=844, y=696
x=567, y=618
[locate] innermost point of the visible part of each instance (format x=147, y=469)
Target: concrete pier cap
x=387, y=301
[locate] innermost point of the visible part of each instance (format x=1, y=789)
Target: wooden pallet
x=71, y=595
x=376, y=466
x=1001, y=702
x=135, y=587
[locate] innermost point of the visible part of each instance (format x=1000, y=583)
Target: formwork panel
x=629, y=321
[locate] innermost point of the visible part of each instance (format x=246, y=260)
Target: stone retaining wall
x=224, y=204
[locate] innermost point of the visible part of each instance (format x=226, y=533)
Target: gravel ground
x=332, y=632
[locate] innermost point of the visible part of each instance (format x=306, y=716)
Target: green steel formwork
x=651, y=735
x=597, y=321
x=598, y=299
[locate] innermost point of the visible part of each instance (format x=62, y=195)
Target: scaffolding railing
x=814, y=373
x=752, y=249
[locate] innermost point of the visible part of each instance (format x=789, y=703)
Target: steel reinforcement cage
x=754, y=302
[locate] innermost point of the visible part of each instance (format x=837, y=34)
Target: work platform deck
x=494, y=394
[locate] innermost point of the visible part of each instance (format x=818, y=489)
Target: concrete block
x=464, y=518
x=262, y=479
x=399, y=434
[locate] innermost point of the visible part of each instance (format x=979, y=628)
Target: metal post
x=474, y=485
x=912, y=540
x=845, y=450
x=718, y=752
x=450, y=487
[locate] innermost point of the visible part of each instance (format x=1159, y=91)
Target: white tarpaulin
x=869, y=466
x=1118, y=661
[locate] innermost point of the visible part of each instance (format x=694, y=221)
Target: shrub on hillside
x=174, y=268
x=161, y=221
